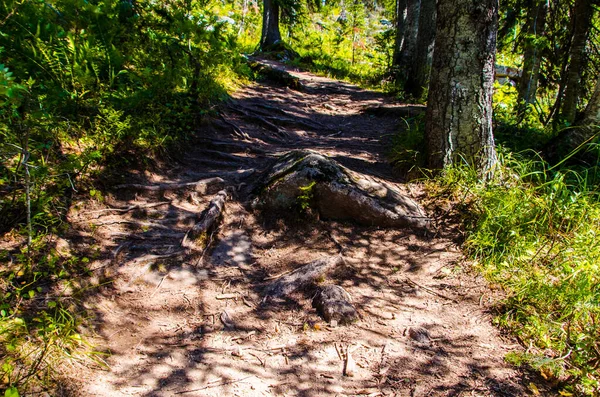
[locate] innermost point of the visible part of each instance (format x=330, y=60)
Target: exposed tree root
x=130, y=208
x=197, y=237
x=225, y=156
x=237, y=130
x=277, y=75
x=290, y=119
x=305, y=178
x=173, y=186
x=259, y=120
x=233, y=146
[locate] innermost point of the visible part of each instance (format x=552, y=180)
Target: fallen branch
x=172, y=186
x=289, y=283
x=197, y=237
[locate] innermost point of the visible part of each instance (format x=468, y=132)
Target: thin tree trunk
x=458, y=125
x=409, y=42
x=271, y=34
x=400, y=29
x=570, y=139
x=581, y=22
x=418, y=75
x=532, y=57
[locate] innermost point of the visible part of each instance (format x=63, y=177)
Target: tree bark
x=532, y=57
x=420, y=68
x=271, y=34
x=400, y=29
x=406, y=52
x=592, y=111
x=459, y=113
x=581, y=24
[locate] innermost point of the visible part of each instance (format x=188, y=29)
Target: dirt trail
x=424, y=327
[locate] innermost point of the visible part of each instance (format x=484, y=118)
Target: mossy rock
x=335, y=192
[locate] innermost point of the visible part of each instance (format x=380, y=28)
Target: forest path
x=424, y=329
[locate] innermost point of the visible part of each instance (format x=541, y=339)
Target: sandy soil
x=424, y=328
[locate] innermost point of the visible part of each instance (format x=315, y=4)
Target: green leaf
x=11, y=392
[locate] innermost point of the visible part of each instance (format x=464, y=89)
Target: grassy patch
x=534, y=231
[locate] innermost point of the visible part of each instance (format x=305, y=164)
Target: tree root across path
x=303, y=178
x=197, y=238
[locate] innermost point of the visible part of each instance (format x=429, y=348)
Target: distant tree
x=537, y=11
x=420, y=64
x=407, y=28
x=581, y=24
x=458, y=124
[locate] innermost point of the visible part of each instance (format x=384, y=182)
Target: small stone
x=334, y=304
x=227, y=320
x=419, y=334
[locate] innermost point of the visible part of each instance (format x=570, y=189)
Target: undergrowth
x=534, y=230
x=88, y=89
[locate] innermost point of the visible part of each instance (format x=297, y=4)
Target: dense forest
x=504, y=144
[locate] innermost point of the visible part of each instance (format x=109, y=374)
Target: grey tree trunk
x=271, y=34
x=400, y=28
x=532, y=57
x=592, y=111
x=458, y=124
x=420, y=67
x=581, y=23
x=405, y=54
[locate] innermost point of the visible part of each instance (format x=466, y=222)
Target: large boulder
x=304, y=178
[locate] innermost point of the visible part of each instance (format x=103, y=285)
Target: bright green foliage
x=83, y=83
x=352, y=42
x=86, y=88
x=534, y=231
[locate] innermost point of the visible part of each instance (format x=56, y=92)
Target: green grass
x=535, y=231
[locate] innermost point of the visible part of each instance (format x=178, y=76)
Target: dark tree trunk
x=418, y=74
x=569, y=139
x=458, y=125
x=581, y=24
x=532, y=56
x=400, y=28
x=270, y=26
x=404, y=54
